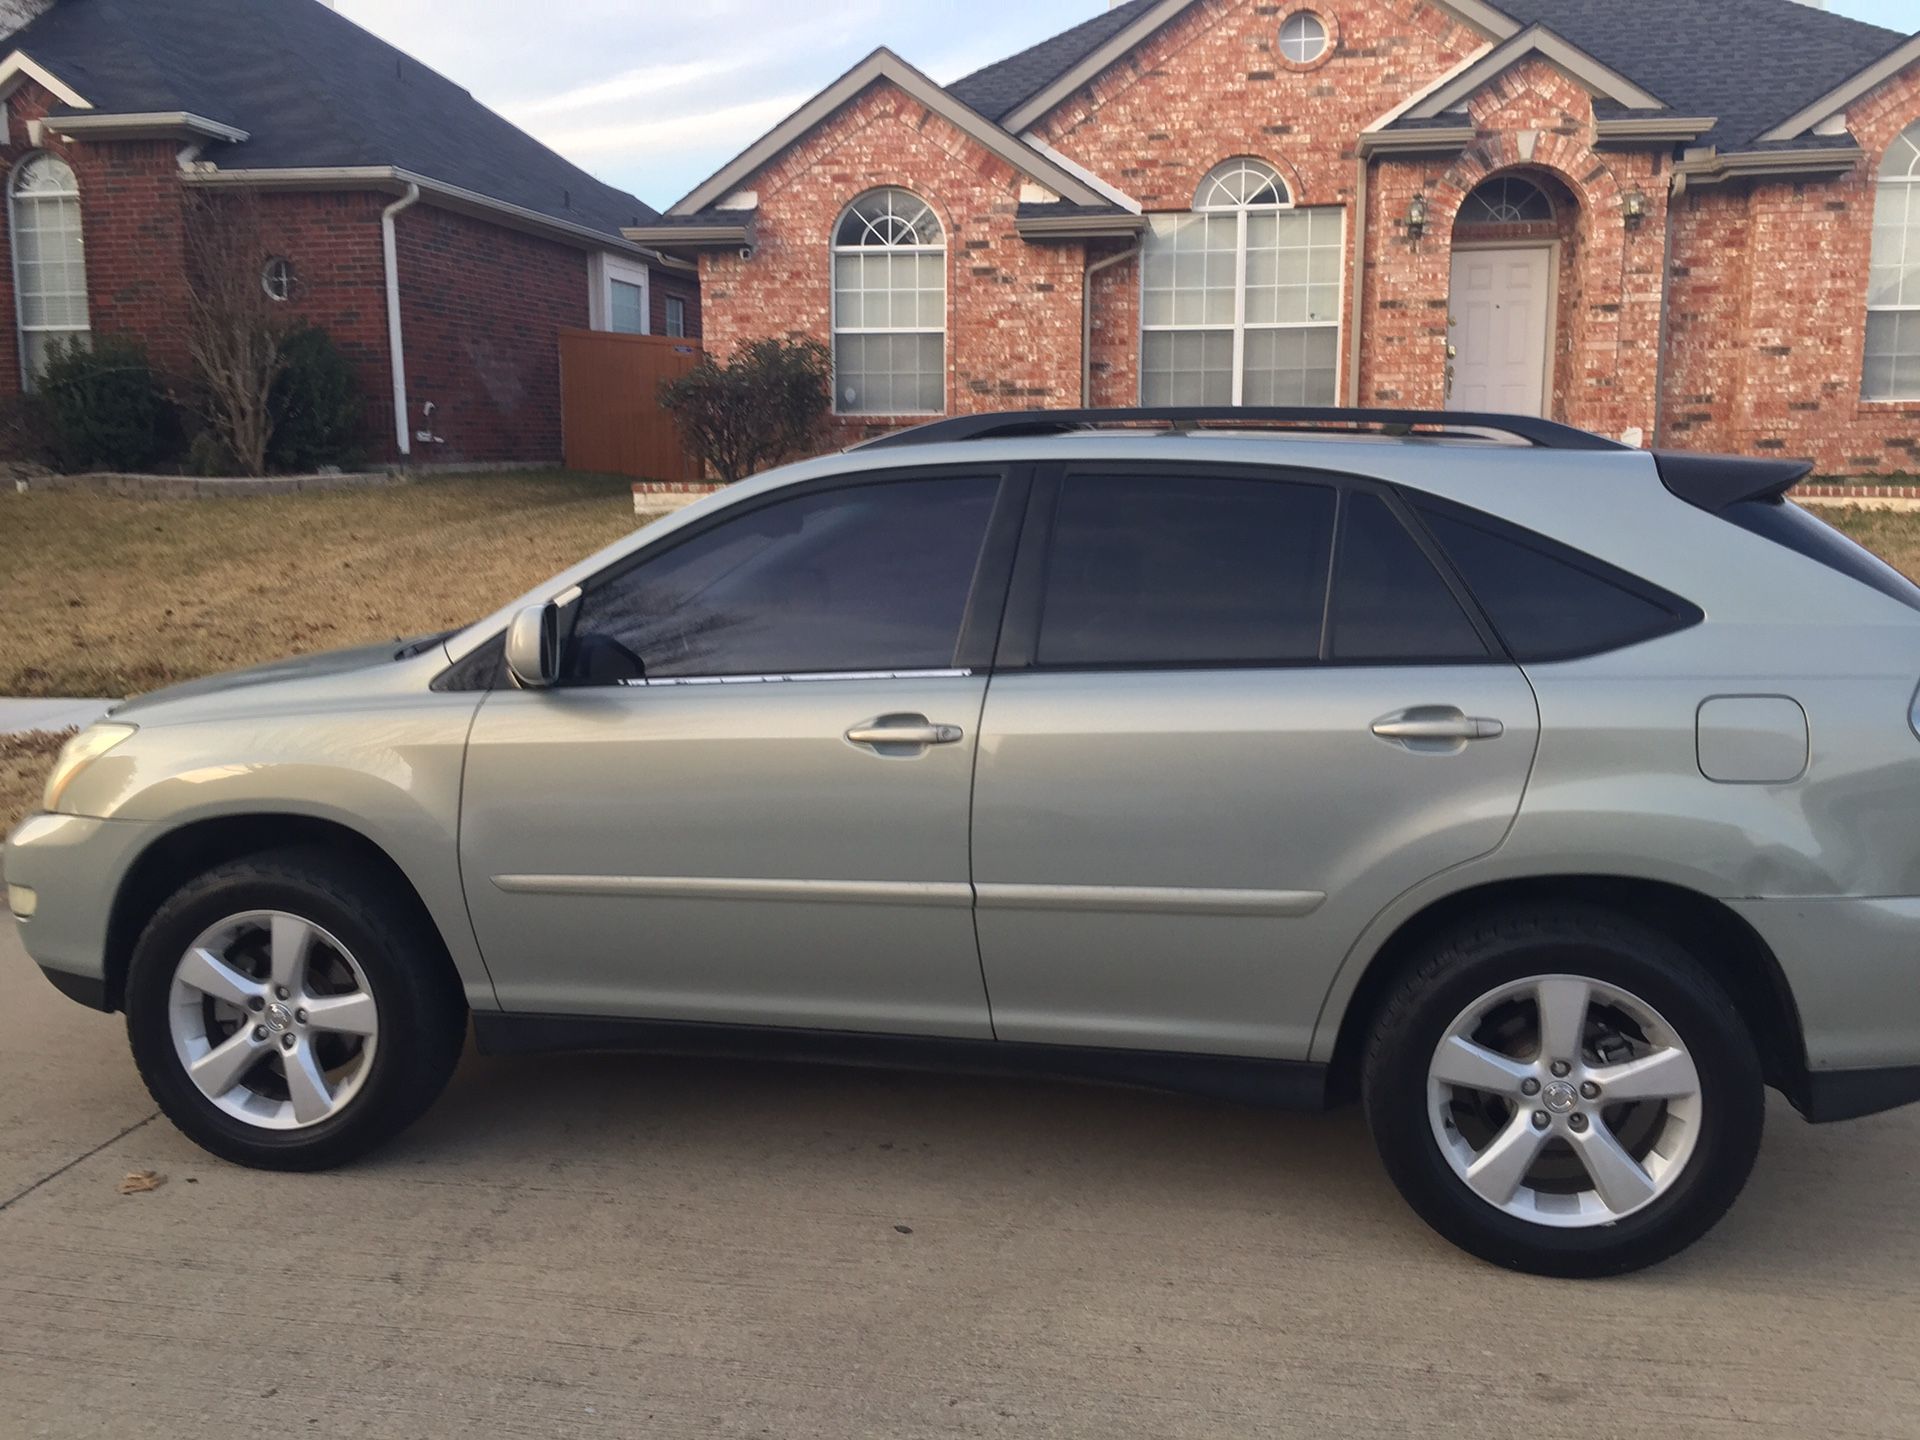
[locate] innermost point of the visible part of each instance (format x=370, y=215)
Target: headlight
x=78, y=753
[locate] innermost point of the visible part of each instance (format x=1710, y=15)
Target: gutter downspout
x=396, y=345
x=1676, y=187
x=1086, y=319
x=1362, y=168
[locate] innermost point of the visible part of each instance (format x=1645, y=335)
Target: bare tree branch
x=235, y=333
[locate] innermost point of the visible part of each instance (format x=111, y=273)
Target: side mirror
x=533, y=647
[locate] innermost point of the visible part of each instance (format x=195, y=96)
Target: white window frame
x=1240, y=325
x=601, y=273
x=835, y=331
x=1910, y=182
x=20, y=327
x=1326, y=37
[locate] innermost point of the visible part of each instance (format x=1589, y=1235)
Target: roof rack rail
x=1008, y=424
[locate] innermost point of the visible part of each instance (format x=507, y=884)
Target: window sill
x=1909, y=406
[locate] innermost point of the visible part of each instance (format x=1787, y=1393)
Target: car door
x=1236, y=712
x=749, y=805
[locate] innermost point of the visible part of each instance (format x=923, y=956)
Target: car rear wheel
x=291, y=1011
x=1566, y=1092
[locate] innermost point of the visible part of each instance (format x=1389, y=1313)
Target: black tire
x=422, y=1010
x=1600, y=945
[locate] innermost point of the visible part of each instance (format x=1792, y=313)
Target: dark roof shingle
x=312, y=89
x=998, y=90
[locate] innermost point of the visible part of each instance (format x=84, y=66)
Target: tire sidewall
x=1731, y=1093
x=150, y=975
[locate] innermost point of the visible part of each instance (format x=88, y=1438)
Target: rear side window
x=1545, y=601
x=1389, y=603
x=1186, y=570
x=1787, y=524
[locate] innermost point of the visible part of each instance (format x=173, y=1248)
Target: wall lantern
x=1633, y=205
x=1417, y=216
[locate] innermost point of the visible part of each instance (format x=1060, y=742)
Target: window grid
x=1240, y=301
x=889, y=307
x=1303, y=37
x=49, y=258
x=1892, y=368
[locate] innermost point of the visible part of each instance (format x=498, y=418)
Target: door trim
x=1552, y=247
x=955, y=894
x=1152, y=899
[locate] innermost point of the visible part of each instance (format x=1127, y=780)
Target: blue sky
x=653, y=96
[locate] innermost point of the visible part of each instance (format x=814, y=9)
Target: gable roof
x=883, y=64
x=1749, y=64
x=308, y=89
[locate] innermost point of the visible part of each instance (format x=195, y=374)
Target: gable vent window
x=1303, y=37
x=49, y=259
x=276, y=278
x=889, y=307
x=1240, y=301
x=1893, y=283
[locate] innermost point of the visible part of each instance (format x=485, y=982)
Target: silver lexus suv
x=1550, y=798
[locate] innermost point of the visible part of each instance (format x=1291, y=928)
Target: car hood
x=276, y=672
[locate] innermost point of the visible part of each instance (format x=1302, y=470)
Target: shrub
x=767, y=404
x=104, y=407
x=314, y=404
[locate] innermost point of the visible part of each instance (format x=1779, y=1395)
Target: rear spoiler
x=1717, y=482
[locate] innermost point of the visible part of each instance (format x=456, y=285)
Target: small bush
x=104, y=408
x=314, y=404
x=765, y=405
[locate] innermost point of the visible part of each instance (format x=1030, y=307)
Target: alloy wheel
x=1564, y=1101
x=272, y=1020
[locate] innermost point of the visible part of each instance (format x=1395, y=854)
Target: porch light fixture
x=1633, y=206
x=1417, y=216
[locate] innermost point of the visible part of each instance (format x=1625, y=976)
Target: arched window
x=1240, y=300
x=49, y=260
x=889, y=307
x=1505, y=200
x=1893, y=283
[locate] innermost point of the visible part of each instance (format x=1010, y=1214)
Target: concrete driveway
x=635, y=1247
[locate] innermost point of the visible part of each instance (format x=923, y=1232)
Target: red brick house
x=1695, y=222
x=442, y=247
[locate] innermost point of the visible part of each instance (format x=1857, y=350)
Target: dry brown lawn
x=24, y=762
x=1892, y=535
x=103, y=595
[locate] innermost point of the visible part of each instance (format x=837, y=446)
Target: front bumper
x=74, y=866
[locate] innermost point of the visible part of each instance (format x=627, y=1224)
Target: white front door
x=1501, y=309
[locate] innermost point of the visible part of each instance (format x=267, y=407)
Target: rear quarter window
x=1545, y=600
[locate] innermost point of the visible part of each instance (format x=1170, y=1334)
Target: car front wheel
x=291, y=1011
x=1565, y=1092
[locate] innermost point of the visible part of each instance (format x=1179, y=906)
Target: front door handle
x=903, y=734
x=1436, y=727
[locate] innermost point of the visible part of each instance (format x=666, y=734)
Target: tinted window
x=1787, y=524
x=1389, y=603
x=871, y=577
x=1548, y=602
x=1185, y=571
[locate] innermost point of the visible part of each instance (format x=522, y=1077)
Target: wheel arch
x=1711, y=931
x=176, y=857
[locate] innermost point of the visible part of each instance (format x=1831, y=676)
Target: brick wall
x=1013, y=309
x=1768, y=313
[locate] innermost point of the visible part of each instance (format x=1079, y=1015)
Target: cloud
x=730, y=128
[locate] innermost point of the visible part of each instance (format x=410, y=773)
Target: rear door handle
x=895, y=734
x=1436, y=726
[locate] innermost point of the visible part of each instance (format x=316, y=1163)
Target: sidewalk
x=18, y=716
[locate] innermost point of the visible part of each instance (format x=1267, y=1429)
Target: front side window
x=1150, y=571
x=889, y=307
x=627, y=308
x=1893, y=283
x=1241, y=297
x=867, y=578
x=49, y=258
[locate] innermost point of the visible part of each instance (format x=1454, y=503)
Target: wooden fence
x=610, y=412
